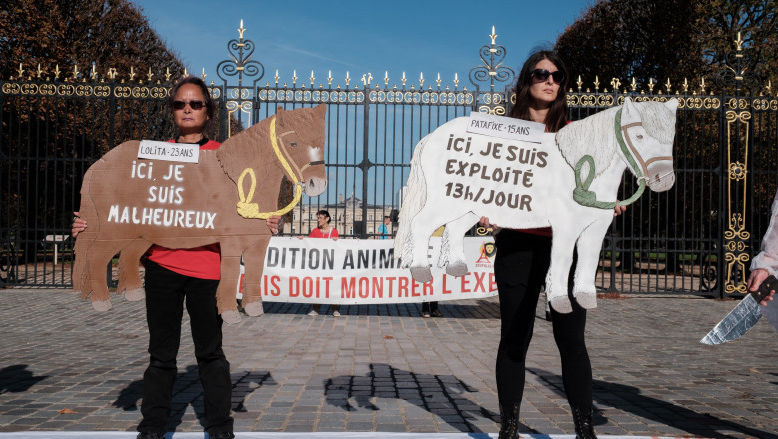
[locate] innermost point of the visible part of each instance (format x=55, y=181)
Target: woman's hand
x=755, y=280
x=79, y=225
x=484, y=222
x=274, y=223
x=618, y=210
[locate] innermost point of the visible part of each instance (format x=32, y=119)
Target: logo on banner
x=488, y=250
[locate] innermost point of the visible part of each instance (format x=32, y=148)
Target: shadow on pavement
x=481, y=309
x=17, y=378
x=441, y=395
x=675, y=416
x=187, y=391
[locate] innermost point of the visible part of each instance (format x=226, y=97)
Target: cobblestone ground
x=384, y=368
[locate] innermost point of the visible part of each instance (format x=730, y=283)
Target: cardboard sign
x=131, y=203
x=505, y=127
x=458, y=176
x=172, y=152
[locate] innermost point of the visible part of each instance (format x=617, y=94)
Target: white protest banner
x=352, y=271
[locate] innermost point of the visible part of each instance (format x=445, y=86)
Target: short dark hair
x=557, y=114
x=209, y=106
x=325, y=213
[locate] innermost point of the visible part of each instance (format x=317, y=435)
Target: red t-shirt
x=317, y=233
x=200, y=262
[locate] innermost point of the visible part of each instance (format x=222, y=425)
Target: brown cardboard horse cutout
x=131, y=203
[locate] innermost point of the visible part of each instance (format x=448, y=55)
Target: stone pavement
x=383, y=368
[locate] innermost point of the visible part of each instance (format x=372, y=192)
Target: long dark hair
x=209, y=107
x=557, y=113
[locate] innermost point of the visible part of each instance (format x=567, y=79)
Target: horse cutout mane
x=595, y=135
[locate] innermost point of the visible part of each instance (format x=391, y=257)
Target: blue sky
x=414, y=37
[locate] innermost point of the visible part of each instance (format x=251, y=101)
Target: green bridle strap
x=583, y=196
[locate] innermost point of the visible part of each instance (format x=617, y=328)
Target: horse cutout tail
x=414, y=197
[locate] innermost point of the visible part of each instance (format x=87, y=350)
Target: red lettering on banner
x=307, y=287
x=364, y=287
x=391, y=281
x=276, y=290
x=402, y=287
x=465, y=282
x=414, y=293
x=492, y=283
x=445, y=290
x=378, y=288
x=294, y=286
x=428, y=287
x=240, y=284
x=479, y=281
x=327, y=286
x=347, y=288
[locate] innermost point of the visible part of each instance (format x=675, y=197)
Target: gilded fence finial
x=493, y=36
x=111, y=73
x=167, y=74
x=438, y=80
x=150, y=75
x=386, y=78
x=579, y=83
x=421, y=79
x=685, y=86
x=93, y=73
x=241, y=29
x=203, y=75
x=21, y=71
x=348, y=79
x=294, y=77
x=634, y=84
x=456, y=80
x=56, y=71
x=312, y=78
x=668, y=86
x=615, y=83
x=185, y=73
x=769, y=87
x=702, y=86
x=403, y=80
x=40, y=72
x=329, y=77
x=597, y=83
x=651, y=85
x=75, y=72
x=276, y=77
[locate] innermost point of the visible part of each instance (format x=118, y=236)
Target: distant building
x=346, y=217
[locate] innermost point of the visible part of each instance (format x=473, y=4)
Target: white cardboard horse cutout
x=516, y=184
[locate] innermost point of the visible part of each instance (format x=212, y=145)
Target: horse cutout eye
x=639, y=136
x=293, y=144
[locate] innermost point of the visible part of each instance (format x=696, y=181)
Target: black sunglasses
x=194, y=105
x=541, y=75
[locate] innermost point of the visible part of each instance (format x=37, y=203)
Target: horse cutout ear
x=280, y=109
x=672, y=105
x=629, y=113
x=320, y=109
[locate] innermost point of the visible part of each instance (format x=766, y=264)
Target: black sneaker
x=150, y=435
x=222, y=435
x=437, y=313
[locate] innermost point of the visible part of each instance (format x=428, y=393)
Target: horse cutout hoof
x=457, y=269
x=135, y=294
x=231, y=317
x=101, y=305
x=254, y=309
x=421, y=274
x=561, y=305
x=586, y=300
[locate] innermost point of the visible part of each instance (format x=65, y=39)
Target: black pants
x=165, y=294
x=520, y=269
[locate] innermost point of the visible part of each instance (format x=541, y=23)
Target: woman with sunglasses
x=175, y=276
x=520, y=267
